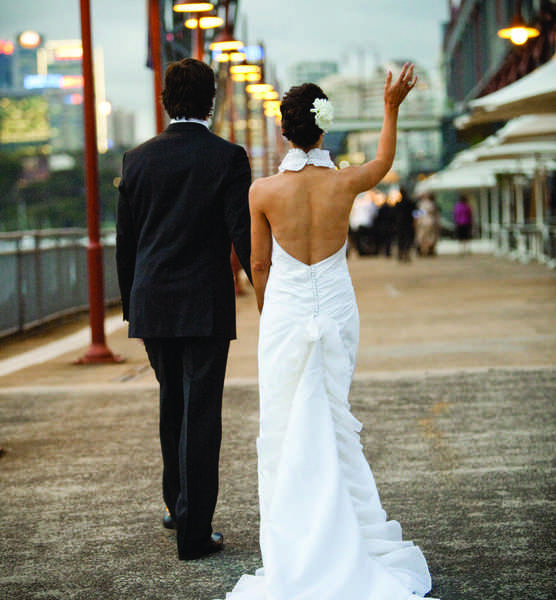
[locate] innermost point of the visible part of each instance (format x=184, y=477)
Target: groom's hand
x=395, y=93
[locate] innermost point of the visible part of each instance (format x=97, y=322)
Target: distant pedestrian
x=361, y=224
x=427, y=226
x=384, y=227
x=463, y=221
x=404, y=218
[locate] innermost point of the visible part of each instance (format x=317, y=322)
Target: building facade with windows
x=312, y=71
x=477, y=61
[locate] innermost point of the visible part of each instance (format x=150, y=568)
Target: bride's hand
x=395, y=93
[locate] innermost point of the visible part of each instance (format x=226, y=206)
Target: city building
x=34, y=74
x=477, y=61
x=121, y=128
x=6, y=64
x=62, y=59
x=27, y=48
x=312, y=71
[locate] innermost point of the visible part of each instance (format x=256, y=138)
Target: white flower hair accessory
x=324, y=113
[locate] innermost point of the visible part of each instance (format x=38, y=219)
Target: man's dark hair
x=298, y=122
x=189, y=89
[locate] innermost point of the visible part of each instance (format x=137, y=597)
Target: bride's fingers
x=401, y=76
x=404, y=83
x=409, y=81
x=406, y=75
x=388, y=80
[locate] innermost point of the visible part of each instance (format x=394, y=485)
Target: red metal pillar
x=98, y=351
x=230, y=91
x=247, y=121
x=199, y=39
x=266, y=150
x=156, y=50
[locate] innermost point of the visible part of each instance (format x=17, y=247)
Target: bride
x=324, y=534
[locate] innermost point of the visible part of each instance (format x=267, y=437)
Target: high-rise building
x=6, y=64
x=27, y=48
x=52, y=70
x=60, y=73
x=60, y=63
x=121, y=128
x=312, y=71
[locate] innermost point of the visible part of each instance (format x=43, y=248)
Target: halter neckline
x=296, y=159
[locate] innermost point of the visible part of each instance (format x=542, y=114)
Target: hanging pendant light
x=180, y=6
x=225, y=40
x=518, y=32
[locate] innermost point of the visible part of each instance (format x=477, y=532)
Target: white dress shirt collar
x=184, y=120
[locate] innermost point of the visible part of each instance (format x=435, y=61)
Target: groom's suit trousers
x=190, y=371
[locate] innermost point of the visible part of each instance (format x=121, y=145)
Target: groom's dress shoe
x=213, y=544
x=168, y=522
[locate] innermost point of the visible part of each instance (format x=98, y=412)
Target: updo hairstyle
x=298, y=122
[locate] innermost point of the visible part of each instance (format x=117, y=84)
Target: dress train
x=324, y=534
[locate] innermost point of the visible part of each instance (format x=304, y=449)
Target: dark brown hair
x=298, y=122
x=189, y=89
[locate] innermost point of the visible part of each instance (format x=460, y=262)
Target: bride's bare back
x=307, y=211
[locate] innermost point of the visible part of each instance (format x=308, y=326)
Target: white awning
x=533, y=94
x=474, y=175
x=528, y=128
x=463, y=178
x=534, y=150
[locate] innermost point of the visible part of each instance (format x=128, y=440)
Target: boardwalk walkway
x=455, y=386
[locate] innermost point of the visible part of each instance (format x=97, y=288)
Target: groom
x=183, y=202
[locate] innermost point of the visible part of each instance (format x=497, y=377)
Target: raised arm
x=360, y=179
x=261, y=245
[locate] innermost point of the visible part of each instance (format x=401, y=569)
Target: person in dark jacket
x=183, y=203
x=384, y=225
x=404, y=218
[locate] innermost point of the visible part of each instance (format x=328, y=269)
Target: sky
x=292, y=31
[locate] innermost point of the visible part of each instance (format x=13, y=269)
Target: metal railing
x=525, y=242
x=43, y=275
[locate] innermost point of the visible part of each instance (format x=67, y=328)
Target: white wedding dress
x=324, y=534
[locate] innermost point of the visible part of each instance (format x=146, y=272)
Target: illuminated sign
x=71, y=81
x=68, y=53
x=73, y=99
x=24, y=120
x=249, y=53
x=253, y=53
x=29, y=39
x=6, y=47
x=52, y=80
x=38, y=82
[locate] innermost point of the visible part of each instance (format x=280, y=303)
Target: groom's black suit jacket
x=183, y=201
